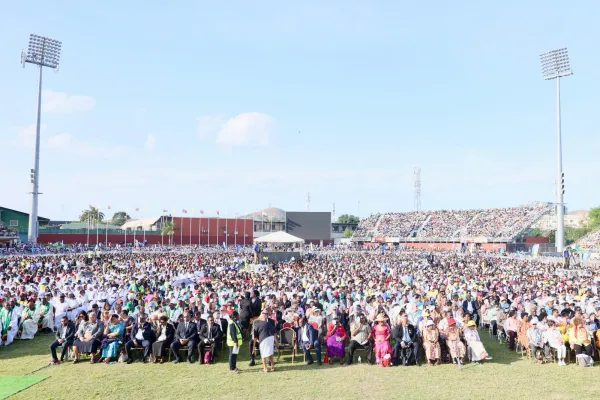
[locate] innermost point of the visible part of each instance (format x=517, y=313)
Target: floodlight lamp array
x=555, y=64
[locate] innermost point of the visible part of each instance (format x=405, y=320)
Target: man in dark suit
x=198, y=320
x=210, y=339
x=142, y=335
x=256, y=304
x=65, y=335
x=470, y=307
x=308, y=338
x=185, y=335
x=245, y=311
x=407, y=344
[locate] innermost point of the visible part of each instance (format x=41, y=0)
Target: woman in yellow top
x=579, y=338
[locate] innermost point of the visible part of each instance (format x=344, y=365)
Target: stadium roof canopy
x=279, y=237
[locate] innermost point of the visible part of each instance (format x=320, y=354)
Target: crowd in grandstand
x=590, y=241
x=495, y=223
x=402, y=307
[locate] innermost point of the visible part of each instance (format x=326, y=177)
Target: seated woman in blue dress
x=113, y=339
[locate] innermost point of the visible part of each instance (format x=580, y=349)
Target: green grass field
x=508, y=377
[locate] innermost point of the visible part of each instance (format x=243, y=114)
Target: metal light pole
x=43, y=52
x=555, y=65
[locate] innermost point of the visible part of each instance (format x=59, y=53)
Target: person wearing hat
x=455, y=345
x=477, y=352
x=431, y=343
x=382, y=335
x=536, y=343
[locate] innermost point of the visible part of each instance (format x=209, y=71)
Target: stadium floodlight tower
x=556, y=65
x=43, y=52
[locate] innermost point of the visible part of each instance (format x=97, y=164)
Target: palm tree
x=169, y=230
x=92, y=216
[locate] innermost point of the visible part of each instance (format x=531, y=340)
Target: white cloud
x=27, y=135
x=61, y=141
x=62, y=103
x=209, y=126
x=66, y=143
x=244, y=129
x=150, y=143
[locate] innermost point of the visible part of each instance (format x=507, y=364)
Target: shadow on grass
x=40, y=345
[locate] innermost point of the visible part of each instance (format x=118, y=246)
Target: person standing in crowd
x=234, y=341
x=382, y=334
x=65, y=335
x=264, y=332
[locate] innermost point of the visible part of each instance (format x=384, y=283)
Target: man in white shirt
x=61, y=307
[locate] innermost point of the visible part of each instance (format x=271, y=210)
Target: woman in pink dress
x=382, y=334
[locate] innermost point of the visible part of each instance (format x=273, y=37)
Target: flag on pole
x=217, y=212
x=201, y=211
x=184, y=211
x=137, y=209
x=110, y=207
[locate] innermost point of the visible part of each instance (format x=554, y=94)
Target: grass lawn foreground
x=508, y=377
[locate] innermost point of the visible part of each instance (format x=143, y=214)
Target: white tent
x=279, y=237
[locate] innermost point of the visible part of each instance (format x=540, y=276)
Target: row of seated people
x=545, y=337
x=156, y=337
x=393, y=345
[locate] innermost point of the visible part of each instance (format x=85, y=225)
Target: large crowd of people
x=496, y=223
x=591, y=241
x=403, y=307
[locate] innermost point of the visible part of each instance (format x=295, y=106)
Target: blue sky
x=238, y=105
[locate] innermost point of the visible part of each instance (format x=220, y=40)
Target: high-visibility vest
x=238, y=334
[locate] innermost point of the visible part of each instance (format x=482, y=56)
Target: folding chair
x=285, y=340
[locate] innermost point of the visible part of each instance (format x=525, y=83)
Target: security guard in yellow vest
x=234, y=341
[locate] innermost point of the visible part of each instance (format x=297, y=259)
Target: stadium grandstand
x=591, y=241
x=486, y=225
